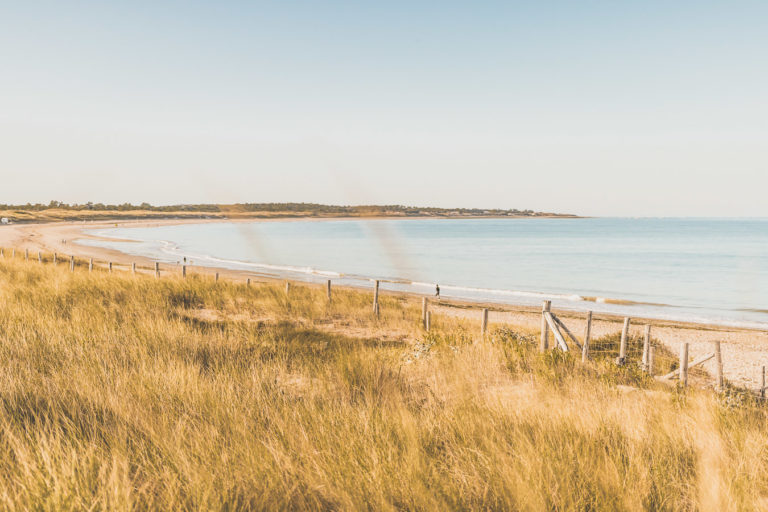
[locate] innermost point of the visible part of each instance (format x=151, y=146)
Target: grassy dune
x=127, y=392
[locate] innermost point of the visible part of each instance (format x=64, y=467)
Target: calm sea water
x=713, y=270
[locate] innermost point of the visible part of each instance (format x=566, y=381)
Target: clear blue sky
x=600, y=108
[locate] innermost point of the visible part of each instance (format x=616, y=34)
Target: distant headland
x=58, y=211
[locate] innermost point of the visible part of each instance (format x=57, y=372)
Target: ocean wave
x=169, y=247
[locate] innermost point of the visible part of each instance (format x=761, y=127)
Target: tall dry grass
x=127, y=392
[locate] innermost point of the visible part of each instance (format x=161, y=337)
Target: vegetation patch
x=121, y=391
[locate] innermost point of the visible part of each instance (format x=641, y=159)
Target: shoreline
x=612, y=306
x=743, y=347
x=43, y=237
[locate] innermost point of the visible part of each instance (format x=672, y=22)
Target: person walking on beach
x=437, y=291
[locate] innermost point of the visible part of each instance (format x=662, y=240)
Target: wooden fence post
x=39, y=257
x=376, y=298
x=90, y=265
x=2, y=253
x=544, y=342
x=587, y=335
x=110, y=267
x=26, y=254
x=133, y=268
x=424, y=312
x=184, y=271
x=287, y=287
x=71, y=263
x=248, y=282
x=328, y=289
x=157, y=269
x=651, y=359
x=216, y=278
x=484, y=323
x=719, y=361
x=623, y=346
x=762, y=383
x=646, y=347
x=13, y=253
x=428, y=321
x=684, y=365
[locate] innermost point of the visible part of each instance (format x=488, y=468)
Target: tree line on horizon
x=266, y=207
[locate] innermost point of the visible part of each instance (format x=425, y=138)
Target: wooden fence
x=551, y=326
x=565, y=340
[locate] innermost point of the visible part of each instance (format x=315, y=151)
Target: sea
x=711, y=271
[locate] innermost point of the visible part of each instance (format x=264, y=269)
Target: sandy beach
x=744, y=350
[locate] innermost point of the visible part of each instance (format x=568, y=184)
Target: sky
x=620, y=108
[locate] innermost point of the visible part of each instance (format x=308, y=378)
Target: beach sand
x=744, y=350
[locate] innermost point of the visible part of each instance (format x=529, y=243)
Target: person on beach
x=437, y=291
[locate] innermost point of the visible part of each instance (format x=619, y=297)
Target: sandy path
x=744, y=350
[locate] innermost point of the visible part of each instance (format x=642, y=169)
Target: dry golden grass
x=127, y=392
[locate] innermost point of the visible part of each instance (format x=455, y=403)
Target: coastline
x=742, y=347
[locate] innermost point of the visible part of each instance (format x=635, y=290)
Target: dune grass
x=122, y=392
